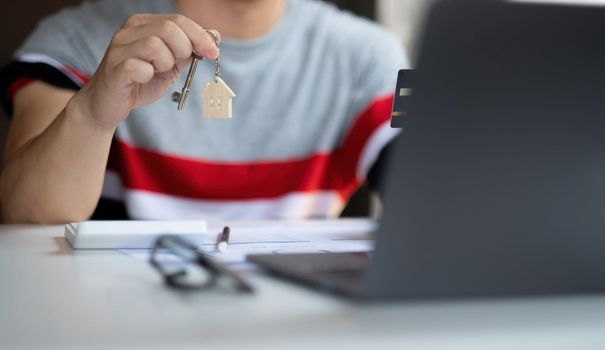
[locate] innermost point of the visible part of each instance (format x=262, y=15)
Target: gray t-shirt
x=310, y=116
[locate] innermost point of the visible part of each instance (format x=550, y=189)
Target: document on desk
x=284, y=237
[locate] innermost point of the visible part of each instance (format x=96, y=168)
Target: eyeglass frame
x=215, y=269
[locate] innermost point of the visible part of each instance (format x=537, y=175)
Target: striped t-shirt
x=310, y=118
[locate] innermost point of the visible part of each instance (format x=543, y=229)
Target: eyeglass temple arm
x=220, y=269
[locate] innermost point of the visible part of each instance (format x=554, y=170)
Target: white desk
x=52, y=297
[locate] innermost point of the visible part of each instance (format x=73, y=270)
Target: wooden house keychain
x=216, y=95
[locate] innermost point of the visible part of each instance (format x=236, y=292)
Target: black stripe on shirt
x=109, y=209
x=37, y=71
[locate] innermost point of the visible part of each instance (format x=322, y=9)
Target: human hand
x=142, y=62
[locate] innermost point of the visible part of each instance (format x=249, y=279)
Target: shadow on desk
x=63, y=247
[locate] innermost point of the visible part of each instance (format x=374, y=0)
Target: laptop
x=496, y=185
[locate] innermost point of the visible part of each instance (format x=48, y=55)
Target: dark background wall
x=20, y=17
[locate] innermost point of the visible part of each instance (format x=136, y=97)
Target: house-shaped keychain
x=217, y=99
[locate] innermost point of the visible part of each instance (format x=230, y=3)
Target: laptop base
x=340, y=273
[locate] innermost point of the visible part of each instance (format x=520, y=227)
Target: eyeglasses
x=184, y=267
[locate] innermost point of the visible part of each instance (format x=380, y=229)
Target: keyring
x=216, y=36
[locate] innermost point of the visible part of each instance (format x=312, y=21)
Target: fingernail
x=214, y=50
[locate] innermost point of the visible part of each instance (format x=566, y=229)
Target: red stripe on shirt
x=74, y=73
x=17, y=85
x=347, y=156
x=148, y=170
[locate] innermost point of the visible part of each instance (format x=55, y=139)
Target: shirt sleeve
x=369, y=131
x=57, y=52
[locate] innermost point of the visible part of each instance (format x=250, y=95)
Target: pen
x=223, y=239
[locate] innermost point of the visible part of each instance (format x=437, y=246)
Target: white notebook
x=130, y=234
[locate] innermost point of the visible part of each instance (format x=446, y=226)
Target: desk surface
x=53, y=297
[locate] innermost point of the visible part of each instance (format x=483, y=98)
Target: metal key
x=181, y=97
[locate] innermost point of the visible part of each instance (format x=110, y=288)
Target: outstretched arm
x=59, y=141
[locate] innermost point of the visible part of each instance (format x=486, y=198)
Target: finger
x=151, y=49
x=137, y=19
x=202, y=42
x=134, y=70
x=172, y=35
